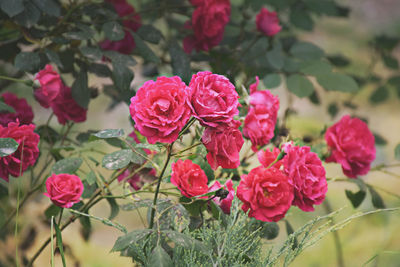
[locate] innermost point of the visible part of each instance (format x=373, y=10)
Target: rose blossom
x=352, y=145
x=223, y=145
x=189, y=178
x=124, y=46
x=27, y=152
x=307, y=175
x=266, y=157
x=23, y=112
x=64, y=190
x=214, y=99
x=268, y=194
x=268, y=22
x=208, y=23
x=226, y=203
x=161, y=108
x=50, y=86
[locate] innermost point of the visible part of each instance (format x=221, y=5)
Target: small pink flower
x=226, y=203
x=161, y=109
x=64, y=190
x=124, y=46
x=189, y=178
x=352, y=145
x=27, y=153
x=266, y=157
x=307, y=175
x=50, y=86
x=23, y=111
x=267, y=193
x=268, y=22
x=214, y=99
x=223, y=145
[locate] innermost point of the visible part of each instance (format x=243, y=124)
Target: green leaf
x=275, y=57
x=113, y=30
x=144, y=203
x=60, y=243
x=289, y=231
x=88, y=189
x=299, y=85
x=379, y=95
x=143, y=50
x=356, y=198
x=114, y=208
x=338, y=60
x=149, y=34
x=160, y=258
x=125, y=241
x=377, y=200
x=7, y=146
x=390, y=62
x=110, y=133
x=397, y=152
x=80, y=90
x=100, y=70
x=29, y=17
x=306, y=51
x=301, y=19
x=120, y=59
x=27, y=61
x=52, y=210
x=53, y=57
x=337, y=82
x=185, y=241
x=333, y=109
x=270, y=230
x=380, y=140
x=12, y=7
x=180, y=62
x=316, y=67
x=93, y=53
x=91, y=178
x=272, y=80
x=68, y=165
x=122, y=77
x=47, y=134
x=50, y=7
x=179, y=217
x=5, y=108
x=117, y=160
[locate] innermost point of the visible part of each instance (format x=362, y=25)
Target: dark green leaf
x=50, y=7
x=275, y=57
x=179, y=217
x=7, y=146
x=380, y=140
x=386, y=42
x=270, y=230
x=333, y=109
x=379, y=95
x=377, y=200
x=143, y=50
x=120, y=59
x=52, y=210
x=29, y=17
x=27, y=61
x=356, y=198
x=60, y=243
x=289, y=231
x=149, y=34
x=113, y=30
x=180, y=62
x=122, y=77
x=114, y=208
x=47, y=134
x=185, y=241
x=86, y=227
x=53, y=57
x=337, y=82
x=68, y=165
x=272, y=80
x=117, y=160
x=390, y=62
x=6, y=108
x=100, y=70
x=88, y=189
x=397, y=152
x=110, y=133
x=160, y=258
x=338, y=60
x=12, y=7
x=395, y=82
x=301, y=19
x=299, y=85
x=93, y=53
x=316, y=67
x=124, y=241
x=80, y=90
x=306, y=51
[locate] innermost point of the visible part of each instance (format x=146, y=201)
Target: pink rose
x=26, y=154
x=66, y=109
x=223, y=145
x=50, y=86
x=268, y=22
x=307, y=175
x=134, y=181
x=226, y=203
x=64, y=190
x=268, y=194
x=189, y=178
x=214, y=99
x=161, y=108
x=124, y=46
x=352, y=145
x=23, y=112
x=267, y=157
x=208, y=23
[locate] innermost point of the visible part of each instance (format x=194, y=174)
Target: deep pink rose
x=208, y=23
x=352, y=145
x=307, y=174
x=161, y=108
x=66, y=109
x=134, y=181
x=226, y=203
x=265, y=101
x=124, y=46
x=189, y=178
x=223, y=145
x=50, y=86
x=267, y=157
x=26, y=154
x=64, y=190
x=268, y=22
x=214, y=99
x=268, y=194
x=23, y=112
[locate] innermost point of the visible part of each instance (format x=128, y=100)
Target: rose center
x=162, y=104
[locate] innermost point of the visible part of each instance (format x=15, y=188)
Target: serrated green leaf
x=306, y=51
x=80, y=90
x=27, y=61
x=299, y=85
x=7, y=146
x=356, y=198
x=113, y=30
x=337, y=82
x=160, y=258
x=124, y=241
x=110, y=133
x=117, y=160
x=12, y=7
x=272, y=80
x=68, y=165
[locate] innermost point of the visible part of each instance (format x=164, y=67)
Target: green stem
x=336, y=239
x=186, y=149
x=15, y=80
x=153, y=210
